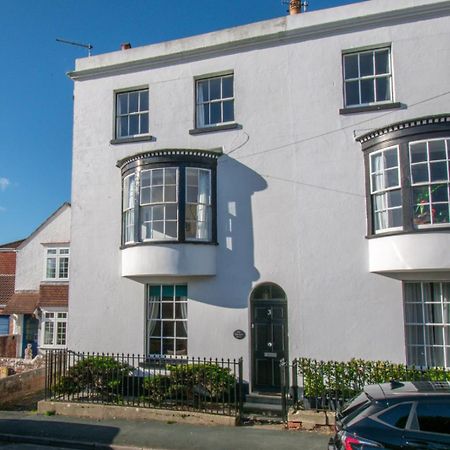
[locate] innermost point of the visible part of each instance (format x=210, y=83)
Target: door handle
x=269, y=344
x=417, y=444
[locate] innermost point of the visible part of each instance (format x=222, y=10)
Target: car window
x=355, y=404
x=434, y=417
x=397, y=416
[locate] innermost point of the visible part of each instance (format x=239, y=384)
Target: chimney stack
x=125, y=46
x=295, y=7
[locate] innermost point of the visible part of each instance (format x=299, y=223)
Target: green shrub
x=189, y=381
x=343, y=380
x=94, y=375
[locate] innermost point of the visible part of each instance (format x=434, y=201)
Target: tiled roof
x=6, y=288
x=22, y=303
x=14, y=244
x=54, y=295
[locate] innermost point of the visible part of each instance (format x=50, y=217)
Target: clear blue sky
x=36, y=95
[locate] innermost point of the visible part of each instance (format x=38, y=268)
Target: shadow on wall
x=236, y=271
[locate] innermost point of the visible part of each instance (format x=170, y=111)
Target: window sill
x=165, y=242
x=212, y=129
x=129, y=140
x=421, y=230
x=370, y=108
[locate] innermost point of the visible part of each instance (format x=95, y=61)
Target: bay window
x=408, y=176
x=169, y=199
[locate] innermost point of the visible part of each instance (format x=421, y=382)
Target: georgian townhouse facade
x=38, y=307
x=269, y=191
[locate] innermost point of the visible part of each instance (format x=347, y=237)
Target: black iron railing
x=187, y=384
x=327, y=385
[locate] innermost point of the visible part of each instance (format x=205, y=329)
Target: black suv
x=396, y=415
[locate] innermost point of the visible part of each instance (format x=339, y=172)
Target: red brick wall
x=7, y=263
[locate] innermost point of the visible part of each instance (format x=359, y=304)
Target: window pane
x=157, y=194
x=122, y=104
x=191, y=194
x=63, y=267
x=48, y=333
x=382, y=62
x=227, y=87
x=134, y=125
x=145, y=196
x=145, y=178
x=144, y=123
x=433, y=314
x=181, y=347
x=438, y=171
x=419, y=173
x=394, y=198
x=439, y=193
x=366, y=64
x=214, y=88
x=171, y=212
x=143, y=101
x=367, y=91
x=352, y=93
x=168, y=347
x=414, y=334
x=395, y=218
x=351, y=66
x=51, y=267
x=216, y=112
x=390, y=158
x=383, y=86
x=168, y=328
x=167, y=292
x=440, y=213
x=202, y=91
x=437, y=150
x=61, y=333
x=122, y=126
x=157, y=212
x=228, y=111
x=391, y=178
x=133, y=102
x=171, y=176
x=157, y=177
x=181, y=329
x=172, y=229
x=418, y=152
x=413, y=313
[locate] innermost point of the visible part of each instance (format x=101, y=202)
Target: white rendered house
x=269, y=191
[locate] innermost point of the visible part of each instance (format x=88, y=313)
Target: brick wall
x=8, y=346
x=8, y=263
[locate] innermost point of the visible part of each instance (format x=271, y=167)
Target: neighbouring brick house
x=7, y=279
x=39, y=300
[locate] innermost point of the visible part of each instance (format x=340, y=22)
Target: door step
x=260, y=407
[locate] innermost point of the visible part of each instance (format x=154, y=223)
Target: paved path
x=83, y=433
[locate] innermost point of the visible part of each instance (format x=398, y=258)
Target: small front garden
x=183, y=384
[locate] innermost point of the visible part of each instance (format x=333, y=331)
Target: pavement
x=27, y=430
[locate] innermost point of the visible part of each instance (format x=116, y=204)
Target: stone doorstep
x=311, y=420
x=93, y=411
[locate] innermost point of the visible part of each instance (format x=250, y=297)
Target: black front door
x=30, y=334
x=269, y=343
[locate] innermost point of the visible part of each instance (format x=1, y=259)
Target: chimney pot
x=125, y=46
x=295, y=7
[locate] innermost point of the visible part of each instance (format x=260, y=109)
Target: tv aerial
x=89, y=47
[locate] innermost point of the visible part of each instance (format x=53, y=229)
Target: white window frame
x=180, y=322
x=209, y=102
x=140, y=113
x=442, y=304
x=55, y=321
x=384, y=190
x=163, y=203
x=127, y=209
x=207, y=205
x=430, y=183
x=57, y=256
x=360, y=78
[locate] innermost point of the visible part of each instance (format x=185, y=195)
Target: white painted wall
x=291, y=193
x=31, y=256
